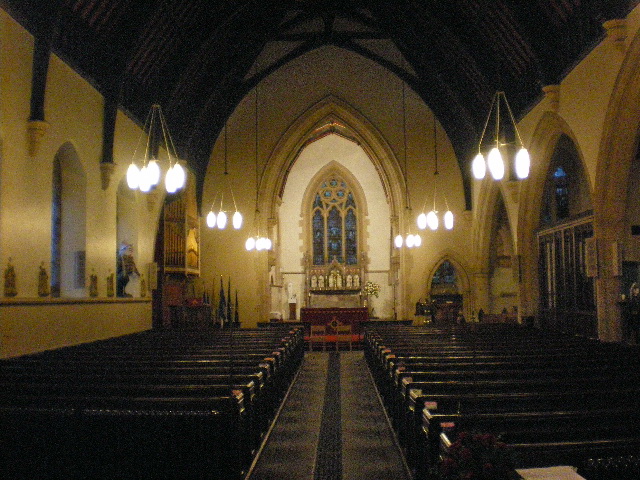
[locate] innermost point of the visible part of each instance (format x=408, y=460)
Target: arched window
x=68, y=224
x=444, y=280
x=334, y=223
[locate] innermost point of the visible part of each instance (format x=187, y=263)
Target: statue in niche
x=321, y=281
x=339, y=282
x=332, y=281
x=314, y=282
x=356, y=281
x=126, y=269
x=110, y=286
x=10, y=289
x=43, y=281
x=349, y=281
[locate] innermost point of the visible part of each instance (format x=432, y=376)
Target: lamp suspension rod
x=498, y=120
x=513, y=120
x=435, y=159
x=486, y=122
x=225, y=149
x=146, y=127
x=167, y=137
x=404, y=134
x=256, y=141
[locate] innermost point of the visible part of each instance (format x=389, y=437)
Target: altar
x=332, y=317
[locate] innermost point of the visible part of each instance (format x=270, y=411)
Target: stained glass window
x=334, y=224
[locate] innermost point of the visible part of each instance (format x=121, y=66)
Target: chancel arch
x=68, y=224
x=333, y=137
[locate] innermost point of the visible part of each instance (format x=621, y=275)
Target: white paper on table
x=563, y=472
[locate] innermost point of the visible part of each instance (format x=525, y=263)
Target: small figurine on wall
x=43, y=281
x=110, y=289
x=126, y=269
x=10, y=289
x=143, y=286
x=93, y=284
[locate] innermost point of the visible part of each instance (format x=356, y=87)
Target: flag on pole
x=236, y=316
x=229, y=317
x=222, y=307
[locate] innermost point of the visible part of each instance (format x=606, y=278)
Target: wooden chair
x=318, y=335
x=344, y=335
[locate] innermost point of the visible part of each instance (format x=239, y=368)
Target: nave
x=332, y=426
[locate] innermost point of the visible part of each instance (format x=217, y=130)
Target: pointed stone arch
x=464, y=285
x=550, y=128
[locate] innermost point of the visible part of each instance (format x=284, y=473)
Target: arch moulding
x=331, y=115
x=545, y=138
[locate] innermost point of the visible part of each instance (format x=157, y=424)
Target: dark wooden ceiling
x=195, y=57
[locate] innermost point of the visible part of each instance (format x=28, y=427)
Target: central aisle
x=331, y=427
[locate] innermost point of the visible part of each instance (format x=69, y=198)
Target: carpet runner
x=332, y=426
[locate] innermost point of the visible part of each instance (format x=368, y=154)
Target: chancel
x=270, y=302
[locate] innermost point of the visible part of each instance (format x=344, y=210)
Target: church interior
x=428, y=210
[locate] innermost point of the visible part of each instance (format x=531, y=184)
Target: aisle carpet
x=332, y=426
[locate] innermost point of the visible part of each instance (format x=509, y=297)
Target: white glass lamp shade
x=153, y=170
x=237, y=220
x=170, y=180
x=495, y=163
x=448, y=220
x=250, y=244
x=222, y=220
x=260, y=243
x=417, y=240
x=432, y=220
x=523, y=163
x=211, y=219
x=267, y=244
x=398, y=241
x=422, y=221
x=145, y=180
x=179, y=176
x=409, y=242
x=479, y=167
x=133, y=176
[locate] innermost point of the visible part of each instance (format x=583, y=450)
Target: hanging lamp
x=147, y=177
x=258, y=242
x=410, y=240
x=494, y=162
x=219, y=220
x=431, y=219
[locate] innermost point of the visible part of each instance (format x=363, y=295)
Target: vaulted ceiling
x=196, y=57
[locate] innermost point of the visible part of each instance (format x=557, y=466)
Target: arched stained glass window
x=334, y=224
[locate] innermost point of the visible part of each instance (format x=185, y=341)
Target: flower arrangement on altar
x=477, y=457
x=371, y=288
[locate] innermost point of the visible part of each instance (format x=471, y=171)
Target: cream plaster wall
x=74, y=112
x=31, y=326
